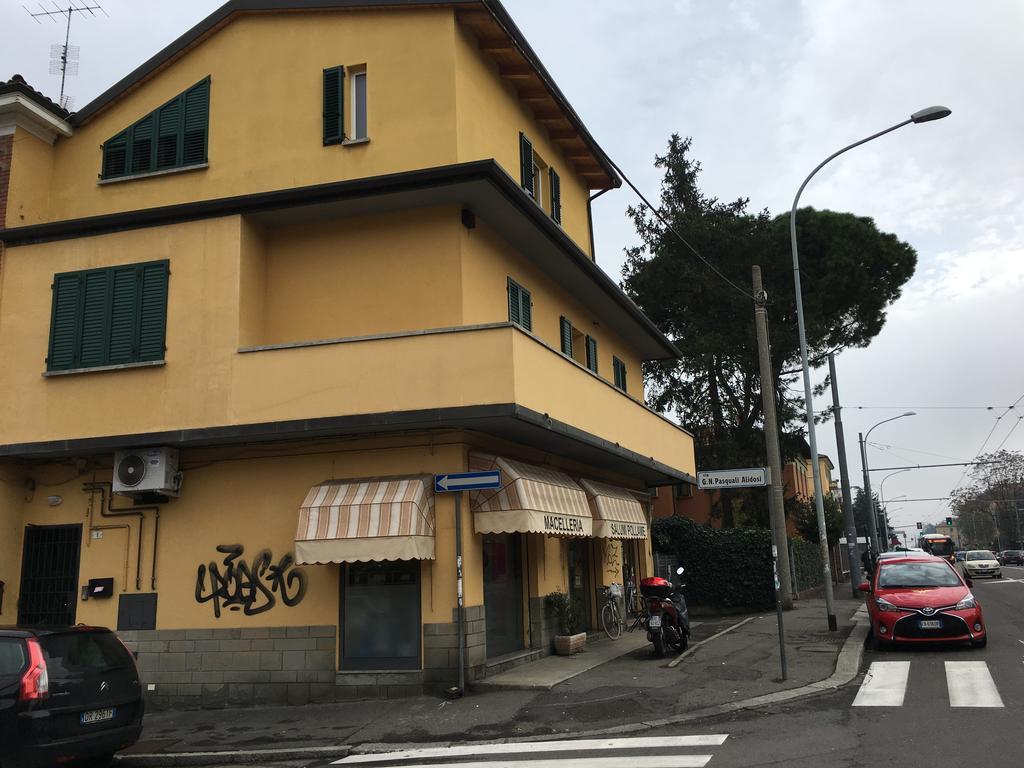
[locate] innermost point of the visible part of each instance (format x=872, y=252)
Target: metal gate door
x=49, y=575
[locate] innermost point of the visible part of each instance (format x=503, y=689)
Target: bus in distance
x=938, y=544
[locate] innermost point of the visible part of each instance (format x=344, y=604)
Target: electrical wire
x=884, y=447
x=930, y=407
x=683, y=240
x=987, y=438
x=1019, y=418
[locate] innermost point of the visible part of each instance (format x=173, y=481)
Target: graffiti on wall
x=611, y=558
x=249, y=587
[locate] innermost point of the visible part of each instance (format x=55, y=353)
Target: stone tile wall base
x=271, y=666
x=543, y=625
x=237, y=667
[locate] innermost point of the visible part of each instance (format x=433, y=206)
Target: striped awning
x=532, y=499
x=348, y=521
x=618, y=513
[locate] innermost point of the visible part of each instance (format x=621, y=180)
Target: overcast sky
x=767, y=90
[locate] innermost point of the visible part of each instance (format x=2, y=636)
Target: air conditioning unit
x=147, y=470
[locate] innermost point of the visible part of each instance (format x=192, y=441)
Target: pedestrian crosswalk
x=650, y=751
x=969, y=684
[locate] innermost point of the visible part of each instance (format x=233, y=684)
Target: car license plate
x=930, y=624
x=97, y=716
x=655, y=622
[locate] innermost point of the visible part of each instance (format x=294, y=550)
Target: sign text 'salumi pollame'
x=733, y=478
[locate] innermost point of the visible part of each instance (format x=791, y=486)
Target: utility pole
x=844, y=478
x=776, y=508
x=872, y=521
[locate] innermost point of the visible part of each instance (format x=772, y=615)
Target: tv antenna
x=64, y=58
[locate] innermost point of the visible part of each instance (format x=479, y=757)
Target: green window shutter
x=514, y=303
x=169, y=130
x=152, y=311
x=64, y=325
x=620, y=373
x=115, y=156
x=566, y=333
x=124, y=315
x=142, y=144
x=334, y=105
x=173, y=136
x=196, y=124
x=109, y=316
x=556, y=195
x=592, y=353
x=526, y=164
x=519, y=309
x=95, y=318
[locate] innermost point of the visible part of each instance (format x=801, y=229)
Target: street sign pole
x=457, y=482
x=458, y=577
x=753, y=477
x=778, y=610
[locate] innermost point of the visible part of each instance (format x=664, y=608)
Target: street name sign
x=467, y=481
x=752, y=477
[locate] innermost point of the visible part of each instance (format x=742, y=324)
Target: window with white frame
x=357, y=86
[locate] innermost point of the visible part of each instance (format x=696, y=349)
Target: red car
x=922, y=599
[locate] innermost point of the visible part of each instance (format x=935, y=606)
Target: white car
x=981, y=562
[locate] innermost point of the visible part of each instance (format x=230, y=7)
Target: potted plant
x=569, y=640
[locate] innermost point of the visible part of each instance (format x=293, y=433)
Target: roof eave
x=20, y=110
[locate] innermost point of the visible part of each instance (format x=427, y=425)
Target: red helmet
x=655, y=581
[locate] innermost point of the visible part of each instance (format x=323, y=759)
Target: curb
x=846, y=669
x=234, y=757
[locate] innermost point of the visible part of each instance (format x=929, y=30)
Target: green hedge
x=729, y=568
x=732, y=568
x=807, y=562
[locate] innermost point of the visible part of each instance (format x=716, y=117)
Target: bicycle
x=636, y=609
x=611, y=618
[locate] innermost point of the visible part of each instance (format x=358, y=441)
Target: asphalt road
x=899, y=711
x=923, y=730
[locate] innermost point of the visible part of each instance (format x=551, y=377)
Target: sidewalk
x=633, y=687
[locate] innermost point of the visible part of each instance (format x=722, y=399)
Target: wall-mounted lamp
x=54, y=501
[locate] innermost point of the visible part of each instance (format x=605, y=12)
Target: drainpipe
x=120, y=526
x=107, y=510
x=590, y=223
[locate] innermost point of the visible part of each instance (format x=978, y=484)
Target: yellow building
x=798, y=477
x=250, y=306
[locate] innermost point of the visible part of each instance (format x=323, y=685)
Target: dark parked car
x=1013, y=557
x=66, y=694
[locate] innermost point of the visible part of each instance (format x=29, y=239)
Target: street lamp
x=872, y=524
x=921, y=116
x=881, y=500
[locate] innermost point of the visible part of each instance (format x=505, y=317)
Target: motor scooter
x=668, y=620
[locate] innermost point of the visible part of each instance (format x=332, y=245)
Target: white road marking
x=971, y=685
x=657, y=761
x=568, y=745
x=884, y=685
x=694, y=646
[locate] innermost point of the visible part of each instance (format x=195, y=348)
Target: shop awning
x=618, y=513
x=348, y=521
x=532, y=499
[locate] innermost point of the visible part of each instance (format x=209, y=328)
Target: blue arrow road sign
x=467, y=481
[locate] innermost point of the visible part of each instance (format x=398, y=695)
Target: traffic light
x=949, y=521
x=920, y=526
